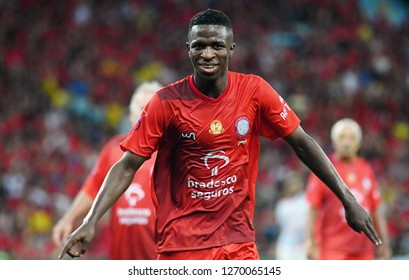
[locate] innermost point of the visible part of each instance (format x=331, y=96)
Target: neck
x=211, y=88
x=345, y=158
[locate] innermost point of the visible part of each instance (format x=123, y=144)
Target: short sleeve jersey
x=205, y=173
x=332, y=231
x=133, y=215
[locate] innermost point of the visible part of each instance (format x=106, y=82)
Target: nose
x=207, y=53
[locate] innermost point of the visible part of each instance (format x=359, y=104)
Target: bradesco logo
x=218, y=155
x=131, y=214
x=212, y=183
x=219, y=187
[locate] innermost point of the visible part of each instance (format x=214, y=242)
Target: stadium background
x=68, y=69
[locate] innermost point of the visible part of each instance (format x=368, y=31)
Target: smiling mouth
x=208, y=67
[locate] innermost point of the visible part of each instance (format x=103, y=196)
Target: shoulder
x=248, y=84
x=174, y=90
x=112, y=147
x=116, y=139
x=363, y=163
x=241, y=77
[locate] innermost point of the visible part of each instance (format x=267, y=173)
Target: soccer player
x=132, y=217
x=206, y=129
x=329, y=236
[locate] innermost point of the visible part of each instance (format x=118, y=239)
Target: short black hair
x=211, y=17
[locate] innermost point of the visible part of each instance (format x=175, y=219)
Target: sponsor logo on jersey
x=284, y=112
x=216, y=127
x=134, y=194
x=189, y=136
x=243, y=142
x=217, y=187
x=132, y=215
x=218, y=155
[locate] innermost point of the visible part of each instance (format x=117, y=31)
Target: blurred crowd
x=69, y=68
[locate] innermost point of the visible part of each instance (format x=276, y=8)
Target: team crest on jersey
x=216, y=127
x=242, y=126
x=137, y=125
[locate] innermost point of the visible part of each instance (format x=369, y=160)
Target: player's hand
x=77, y=242
x=384, y=252
x=360, y=221
x=312, y=252
x=61, y=231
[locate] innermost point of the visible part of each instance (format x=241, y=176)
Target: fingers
x=84, y=247
x=73, y=254
x=77, y=242
x=56, y=238
x=60, y=232
x=59, y=236
x=371, y=233
x=56, y=235
x=360, y=221
x=67, y=248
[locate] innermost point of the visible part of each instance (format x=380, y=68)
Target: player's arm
x=311, y=246
x=83, y=200
x=311, y=154
x=384, y=251
x=116, y=182
x=77, y=210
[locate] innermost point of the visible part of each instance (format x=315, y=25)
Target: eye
x=197, y=46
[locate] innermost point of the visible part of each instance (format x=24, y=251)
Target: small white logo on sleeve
x=284, y=113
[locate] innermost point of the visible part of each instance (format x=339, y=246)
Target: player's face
x=210, y=49
x=347, y=144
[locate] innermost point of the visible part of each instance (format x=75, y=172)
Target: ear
x=232, y=47
x=188, y=48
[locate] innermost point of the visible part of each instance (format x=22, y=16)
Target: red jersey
x=132, y=217
x=332, y=231
x=206, y=168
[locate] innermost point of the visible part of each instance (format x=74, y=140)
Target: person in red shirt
x=206, y=129
x=133, y=216
x=329, y=234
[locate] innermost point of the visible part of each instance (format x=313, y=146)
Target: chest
x=202, y=125
x=358, y=180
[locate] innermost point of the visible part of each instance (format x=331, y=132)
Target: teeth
x=208, y=66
